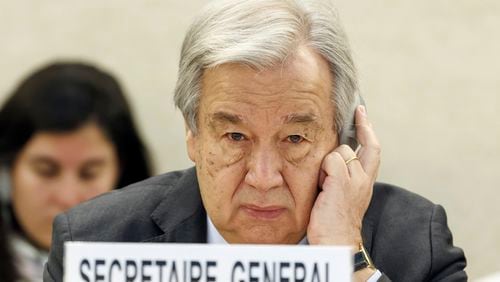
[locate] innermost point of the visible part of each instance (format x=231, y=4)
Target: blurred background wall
x=429, y=69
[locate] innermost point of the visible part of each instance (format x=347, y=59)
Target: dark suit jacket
x=406, y=235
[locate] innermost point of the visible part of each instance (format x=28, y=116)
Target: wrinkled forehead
x=295, y=94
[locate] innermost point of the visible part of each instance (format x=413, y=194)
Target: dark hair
x=8, y=272
x=61, y=97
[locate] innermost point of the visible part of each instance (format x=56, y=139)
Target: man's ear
x=191, y=144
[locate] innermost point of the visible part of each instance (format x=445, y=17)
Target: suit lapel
x=181, y=214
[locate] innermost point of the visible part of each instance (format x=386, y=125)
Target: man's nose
x=68, y=192
x=264, y=169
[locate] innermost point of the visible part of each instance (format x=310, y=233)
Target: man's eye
x=296, y=139
x=235, y=136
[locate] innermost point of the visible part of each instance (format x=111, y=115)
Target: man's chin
x=266, y=235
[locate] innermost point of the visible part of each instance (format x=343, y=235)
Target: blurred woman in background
x=66, y=135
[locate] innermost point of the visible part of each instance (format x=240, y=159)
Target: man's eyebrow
x=225, y=117
x=300, y=118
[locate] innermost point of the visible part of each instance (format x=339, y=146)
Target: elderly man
x=268, y=91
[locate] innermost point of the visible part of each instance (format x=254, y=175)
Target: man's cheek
x=221, y=156
x=305, y=162
x=296, y=154
x=222, y=170
x=303, y=178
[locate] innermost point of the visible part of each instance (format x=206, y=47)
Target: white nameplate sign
x=154, y=262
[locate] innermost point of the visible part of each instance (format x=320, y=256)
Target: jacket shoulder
x=399, y=204
x=405, y=243
x=122, y=214
x=396, y=215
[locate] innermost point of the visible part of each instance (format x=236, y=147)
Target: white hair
x=262, y=34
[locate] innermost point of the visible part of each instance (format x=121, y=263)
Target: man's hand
x=338, y=212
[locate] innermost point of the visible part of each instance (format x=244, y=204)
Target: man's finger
x=334, y=166
x=354, y=166
x=369, y=154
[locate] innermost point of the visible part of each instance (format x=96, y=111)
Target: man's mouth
x=263, y=213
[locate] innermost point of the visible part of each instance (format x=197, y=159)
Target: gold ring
x=351, y=159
